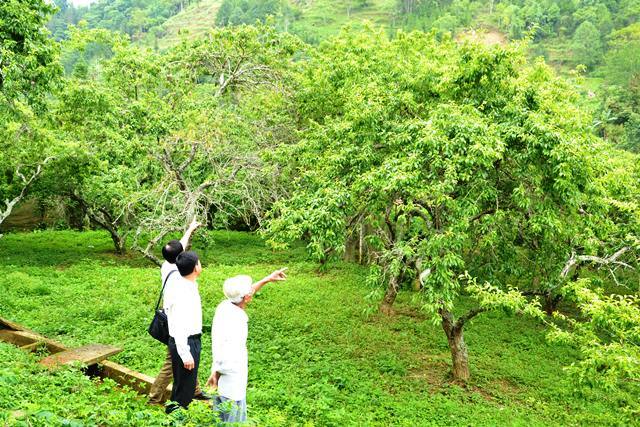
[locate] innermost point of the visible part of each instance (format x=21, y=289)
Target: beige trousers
x=158, y=393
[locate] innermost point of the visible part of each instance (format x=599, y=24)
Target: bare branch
x=189, y=160
x=10, y=204
x=575, y=259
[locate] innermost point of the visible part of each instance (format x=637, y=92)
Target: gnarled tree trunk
x=26, y=183
x=390, y=295
x=454, y=330
x=551, y=303
x=103, y=219
x=119, y=242
x=457, y=346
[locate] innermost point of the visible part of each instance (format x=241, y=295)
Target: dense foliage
x=136, y=18
x=315, y=358
x=566, y=33
x=237, y=12
x=620, y=113
x=457, y=158
x=29, y=70
x=150, y=139
x=468, y=177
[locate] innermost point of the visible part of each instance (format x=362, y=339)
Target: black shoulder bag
x=159, y=327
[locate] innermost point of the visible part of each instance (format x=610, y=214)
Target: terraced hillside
x=322, y=18
x=192, y=21
x=317, y=20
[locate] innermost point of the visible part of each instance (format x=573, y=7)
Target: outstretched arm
x=276, y=276
x=186, y=239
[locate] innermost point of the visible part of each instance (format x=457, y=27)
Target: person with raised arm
x=184, y=316
x=168, y=272
x=229, y=331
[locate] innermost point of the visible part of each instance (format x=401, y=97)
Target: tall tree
x=155, y=138
x=454, y=157
x=29, y=68
x=587, y=45
x=224, y=95
x=104, y=114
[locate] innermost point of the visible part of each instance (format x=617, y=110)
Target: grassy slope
x=193, y=21
x=320, y=19
x=323, y=18
x=314, y=355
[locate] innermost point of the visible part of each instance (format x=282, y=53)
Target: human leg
x=184, y=380
x=231, y=411
x=164, y=377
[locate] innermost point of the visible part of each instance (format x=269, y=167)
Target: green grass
x=315, y=358
x=319, y=20
x=323, y=18
x=192, y=22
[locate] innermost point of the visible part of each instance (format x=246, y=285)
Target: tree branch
x=575, y=259
x=10, y=204
x=468, y=316
x=481, y=214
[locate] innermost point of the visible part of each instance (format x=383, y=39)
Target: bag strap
x=162, y=290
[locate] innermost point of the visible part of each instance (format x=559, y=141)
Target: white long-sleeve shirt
x=184, y=312
x=229, y=331
x=167, y=268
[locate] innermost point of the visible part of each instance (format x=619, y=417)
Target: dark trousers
x=184, y=380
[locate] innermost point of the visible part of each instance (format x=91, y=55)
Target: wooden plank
x=124, y=376
x=31, y=347
x=22, y=338
x=12, y=332
x=135, y=380
x=88, y=355
x=7, y=324
x=18, y=338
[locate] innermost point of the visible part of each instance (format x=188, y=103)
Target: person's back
x=165, y=269
x=168, y=273
x=184, y=316
x=229, y=332
x=183, y=306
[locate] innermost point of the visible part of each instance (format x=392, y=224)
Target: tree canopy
x=29, y=70
x=453, y=157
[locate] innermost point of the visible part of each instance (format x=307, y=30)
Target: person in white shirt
x=184, y=315
x=229, y=331
x=170, y=252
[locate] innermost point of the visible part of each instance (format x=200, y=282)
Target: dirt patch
x=414, y=313
x=506, y=387
x=486, y=36
x=432, y=369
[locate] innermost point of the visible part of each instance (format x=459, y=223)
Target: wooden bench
x=87, y=355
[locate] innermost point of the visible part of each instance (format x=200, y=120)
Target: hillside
x=193, y=21
x=315, y=21
x=322, y=18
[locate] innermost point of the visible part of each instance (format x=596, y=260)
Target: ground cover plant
x=468, y=178
x=316, y=358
